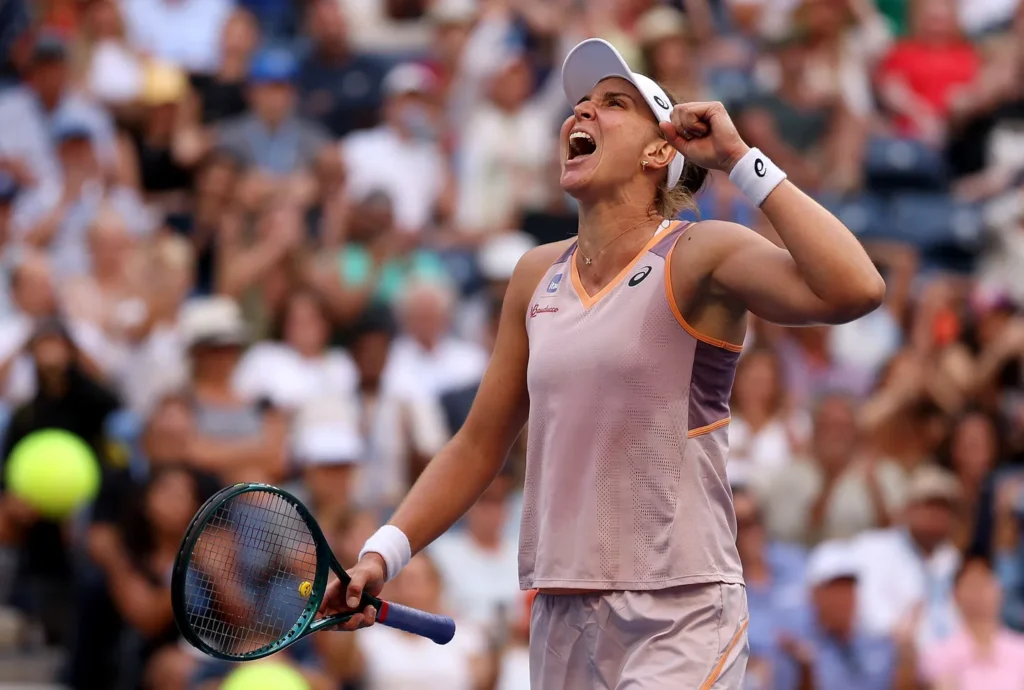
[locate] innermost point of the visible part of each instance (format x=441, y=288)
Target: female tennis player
x=618, y=350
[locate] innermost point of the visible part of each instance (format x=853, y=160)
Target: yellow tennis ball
x=265, y=675
x=306, y=588
x=54, y=471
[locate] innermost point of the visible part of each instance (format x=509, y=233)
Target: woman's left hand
x=705, y=135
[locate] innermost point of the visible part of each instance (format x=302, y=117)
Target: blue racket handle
x=440, y=629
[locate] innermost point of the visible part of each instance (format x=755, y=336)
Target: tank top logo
x=639, y=276
x=537, y=309
x=553, y=285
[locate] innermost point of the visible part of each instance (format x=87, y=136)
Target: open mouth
x=581, y=144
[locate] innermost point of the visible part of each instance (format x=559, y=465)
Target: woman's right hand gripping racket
x=252, y=573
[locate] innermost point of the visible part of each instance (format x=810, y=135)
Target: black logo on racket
x=660, y=101
x=759, y=168
x=639, y=277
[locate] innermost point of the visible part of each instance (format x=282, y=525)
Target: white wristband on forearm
x=391, y=544
x=756, y=176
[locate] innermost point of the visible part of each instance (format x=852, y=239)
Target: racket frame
x=307, y=622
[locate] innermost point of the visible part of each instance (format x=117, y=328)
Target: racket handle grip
x=440, y=629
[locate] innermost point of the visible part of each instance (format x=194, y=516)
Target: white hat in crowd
x=326, y=432
x=830, y=561
x=499, y=255
x=213, y=321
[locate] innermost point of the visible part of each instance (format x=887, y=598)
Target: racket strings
x=243, y=585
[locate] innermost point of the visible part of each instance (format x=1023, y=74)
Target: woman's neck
x=615, y=229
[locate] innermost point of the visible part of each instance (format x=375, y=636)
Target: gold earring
x=643, y=164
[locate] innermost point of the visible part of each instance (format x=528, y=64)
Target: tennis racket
x=252, y=572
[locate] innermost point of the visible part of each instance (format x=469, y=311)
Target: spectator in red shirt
x=926, y=70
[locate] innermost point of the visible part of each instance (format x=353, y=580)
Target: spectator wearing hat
x=31, y=115
x=830, y=649
x=911, y=567
x=148, y=150
x=496, y=259
x=340, y=87
x=984, y=654
x=402, y=157
x=59, y=222
x=327, y=448
x=272, y=139
x=665, y=41
x=236, y=439
x=185, y=33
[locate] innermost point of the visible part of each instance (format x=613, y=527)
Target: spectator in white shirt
x=914, y=565
x=765, y=434
x=425, y=351
x=506, y=149
x=402, y=157
x=327, y=448
x=59, y=219
x=31, y=112
x=838, y=492
x=480, y=564
x=183, y=32
x=300, y=366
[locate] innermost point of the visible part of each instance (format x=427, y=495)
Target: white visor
x=594, y=60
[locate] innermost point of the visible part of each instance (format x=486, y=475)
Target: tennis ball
x=306, y=588
x=265, y=675
x=54, y=471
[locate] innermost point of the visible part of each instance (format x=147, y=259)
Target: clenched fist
x=705, y=134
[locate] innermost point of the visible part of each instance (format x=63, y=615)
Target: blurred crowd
x=268, y=240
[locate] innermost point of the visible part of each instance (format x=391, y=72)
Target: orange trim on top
x=707, y=429
x=717, y=672
x=577, y=283
x=670, y=294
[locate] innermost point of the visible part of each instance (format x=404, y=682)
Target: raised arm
x=465, y=467
x=823, y=275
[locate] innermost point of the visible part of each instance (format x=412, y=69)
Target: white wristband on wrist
x=756, y=176
x=391, y=544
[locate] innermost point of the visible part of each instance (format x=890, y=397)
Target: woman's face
x=171, y=502
x=973, y=448
x=618, y=121
x=757, y=383
x=305, y=328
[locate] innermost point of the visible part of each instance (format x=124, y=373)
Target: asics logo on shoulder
x=639, y=276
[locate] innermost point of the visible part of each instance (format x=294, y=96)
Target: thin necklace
x=588, y=260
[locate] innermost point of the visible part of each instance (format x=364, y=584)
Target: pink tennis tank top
x=627, y=440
